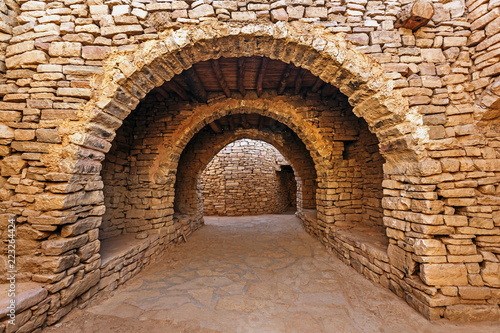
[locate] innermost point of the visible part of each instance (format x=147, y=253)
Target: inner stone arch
x=205, y=145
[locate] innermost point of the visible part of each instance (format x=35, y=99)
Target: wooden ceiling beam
x=163, y=92
x=262, y=73
x=195, y=84
x=327, y=90
x=298, y=80
x=215, y=127
x=244, y=121
x=220, y=77
x=232, y=125
x=178, y=90
x=317, y=85
x=284, y=79
x=241, y=76
x=261, y=122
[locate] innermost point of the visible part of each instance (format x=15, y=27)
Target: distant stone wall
x=244, y=178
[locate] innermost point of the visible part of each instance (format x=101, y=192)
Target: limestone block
x=75, y=92
x=81, y=226
x=382, y=37
x=6, y=132
x=65, y=49
x=27, y=58
x=58, y=246
x=244, y=16
x=229, y=5
x=433, y=55
x=122, y=29
x=79, y=287
x=401, y=259
x=279, y=14
x=444, y=274
x=202, y=11
x=467, y=292
x=12, y=165
x=119, y=10
x=295, y=12
x=20, y=48
x=99, y=9
x=468, y=313
x=429, y=247
x=491, y=274
x=315, y=12
x=27, y=295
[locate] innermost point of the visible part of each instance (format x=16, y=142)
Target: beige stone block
x=244, y=16
x=27, y=58
x=444, y=274
x=59, y=246
x=401, y=259
x=79, y=287
x=6, y=132
x=478, y=293
x=429, y=247
x=491, y=274
x=433, y=55
x=204, y=10
x=454, y=41
x=99, y=9
x=65, y=49
x=455, y=220
x=468, y=313
x=315, y=12
x=119, y=10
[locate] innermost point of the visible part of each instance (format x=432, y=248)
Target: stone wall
x=75, y=69
x=244, y=179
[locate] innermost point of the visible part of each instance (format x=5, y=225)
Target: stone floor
x=252, y=274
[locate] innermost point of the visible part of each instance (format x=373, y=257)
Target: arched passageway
x=248, y=177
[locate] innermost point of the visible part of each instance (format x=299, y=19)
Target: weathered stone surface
x=429, y=247
x=27, y=295
x=491, y=274
x=65, y=49
x=467, y=313
x=55, y=247
x=27, y=58
x=79, y=287
x=12, y=165
x=401, y=259
x=444, y=274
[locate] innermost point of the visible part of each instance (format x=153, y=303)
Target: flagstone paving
x=253, y=274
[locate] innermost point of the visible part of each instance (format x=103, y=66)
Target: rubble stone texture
x=246, y=178
x=103, y=101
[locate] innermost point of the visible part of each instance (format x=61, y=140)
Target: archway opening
x=248, y=177
x=278, y=165
x=152, y=171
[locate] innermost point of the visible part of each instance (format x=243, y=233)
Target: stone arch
x=204, y=114
x=129, y=77
x=189, y=177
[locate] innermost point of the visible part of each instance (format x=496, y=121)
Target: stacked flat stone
x=243, y=179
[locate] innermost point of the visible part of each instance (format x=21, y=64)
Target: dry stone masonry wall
x=245, y=178
x=72, y=70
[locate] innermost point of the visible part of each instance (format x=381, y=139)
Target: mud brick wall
x=243, y=179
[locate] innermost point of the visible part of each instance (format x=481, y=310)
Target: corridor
x=252, y=274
